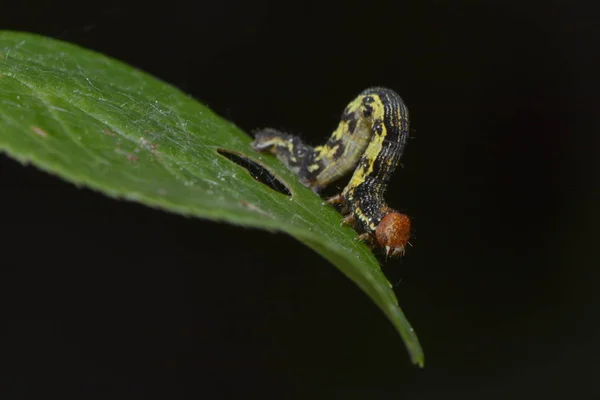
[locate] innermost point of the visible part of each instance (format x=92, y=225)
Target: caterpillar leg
x=349, y=220
x=338, y=199
x=367, y=239
x=339, y=202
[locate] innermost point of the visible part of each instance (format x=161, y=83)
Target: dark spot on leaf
x=257, y=171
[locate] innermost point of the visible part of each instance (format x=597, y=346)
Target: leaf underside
x=97, y=122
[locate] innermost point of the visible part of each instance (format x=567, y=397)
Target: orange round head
x=393, y=233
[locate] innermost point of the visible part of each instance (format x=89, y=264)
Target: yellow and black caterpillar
x=370, y=137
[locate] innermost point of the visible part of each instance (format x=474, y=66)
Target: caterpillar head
x=393, y=233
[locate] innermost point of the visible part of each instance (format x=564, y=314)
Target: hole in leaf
x=257, y=171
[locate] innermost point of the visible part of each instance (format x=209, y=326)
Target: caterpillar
x=370, y=138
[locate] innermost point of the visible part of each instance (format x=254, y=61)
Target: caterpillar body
x=370, y=138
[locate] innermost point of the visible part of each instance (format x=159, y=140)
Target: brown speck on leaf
x=151, y=147
x=129, y=156
x=109, y=132
x=39, y=131
x=254, y=208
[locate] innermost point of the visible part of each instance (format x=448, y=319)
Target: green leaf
x=97, y=122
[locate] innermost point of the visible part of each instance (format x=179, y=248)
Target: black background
x=109, y=299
